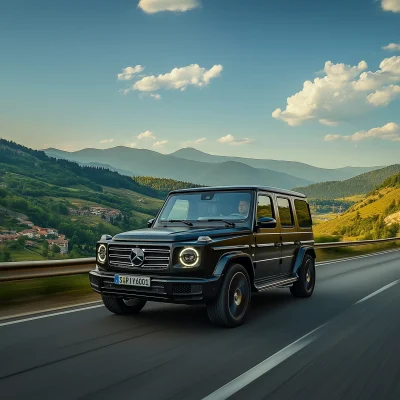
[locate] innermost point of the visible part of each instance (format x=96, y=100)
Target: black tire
x=304, y=287
x=120, y=306
x=230, y=307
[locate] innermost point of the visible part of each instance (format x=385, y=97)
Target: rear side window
x=285, y=212
x=303, y=214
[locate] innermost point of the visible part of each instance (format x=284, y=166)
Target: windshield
x=207, y=206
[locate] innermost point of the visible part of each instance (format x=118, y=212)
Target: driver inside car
x=243, y=208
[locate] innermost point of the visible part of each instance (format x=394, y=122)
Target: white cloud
x=230, y=139
x=155, y=96
x=390, y=131
x=146, y=135
x=160, y=143
x=328, y=122
x=131, y=144
x=190, y=143
x=107, y=141
x=154, y=6
x=343, y=92
x=385, y=96
x=391, y=5
x=178, y=78
x=129, y=73
x=392, y=47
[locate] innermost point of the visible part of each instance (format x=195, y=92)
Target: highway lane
x=172, y=352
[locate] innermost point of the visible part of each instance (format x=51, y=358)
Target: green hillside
x=376, y=216
x=59, y=194
x=360, y=184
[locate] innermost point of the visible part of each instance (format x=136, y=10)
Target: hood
x=177, y=234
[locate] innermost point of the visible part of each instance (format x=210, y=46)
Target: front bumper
x=163, y=289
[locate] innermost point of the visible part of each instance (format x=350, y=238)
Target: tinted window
x=264, y=207
x=285, y=212
x=303, y=213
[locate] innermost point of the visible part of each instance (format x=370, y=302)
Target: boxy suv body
x=214, y=245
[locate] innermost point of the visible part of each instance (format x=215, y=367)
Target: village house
x=61, y=243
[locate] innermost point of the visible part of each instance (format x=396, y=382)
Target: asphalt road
x=336, y=345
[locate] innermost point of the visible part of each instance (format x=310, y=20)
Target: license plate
x=132, y=280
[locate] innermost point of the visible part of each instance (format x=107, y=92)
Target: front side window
x=285, y=212
x=204, y=206
x=303, y=213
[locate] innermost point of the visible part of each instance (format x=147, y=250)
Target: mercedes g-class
x=213, y=245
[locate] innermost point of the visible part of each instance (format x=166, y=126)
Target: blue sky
x=60, y=63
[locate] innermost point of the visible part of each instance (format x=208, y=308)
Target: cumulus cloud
x=106, y=141
x=391, y=5
x=178, y=78
x=146, y=135
x=155, y=96
x=129, y=73
x=385, y=96
x=392, y=47
x=189, y=143
x=130, y=144
x=160, y=143
x=230, y=139
x=390, y=131
x=154, y=6
x=343, y=92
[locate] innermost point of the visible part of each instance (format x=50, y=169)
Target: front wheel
x=121, y=306
x=230, y=307
x=304, y=287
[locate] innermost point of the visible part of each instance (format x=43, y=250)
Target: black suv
x=213, y=245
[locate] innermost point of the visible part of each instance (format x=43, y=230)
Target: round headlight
x=189, y=257
x=102, y=253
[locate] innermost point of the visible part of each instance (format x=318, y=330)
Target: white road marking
x=260, y=369
x=49, y=315
x=378, y=291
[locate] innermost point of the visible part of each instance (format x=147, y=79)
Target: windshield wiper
x=230, y=223
x=180, y=220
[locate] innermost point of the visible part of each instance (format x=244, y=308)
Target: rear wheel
x=304, y=287
x=230, y=307
x=121, y=306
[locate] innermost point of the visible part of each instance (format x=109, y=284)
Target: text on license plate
x=132, y=280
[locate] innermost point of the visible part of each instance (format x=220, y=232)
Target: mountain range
x=192, y=165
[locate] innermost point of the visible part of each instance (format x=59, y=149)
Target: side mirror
x=266, y=222
x=150, y=222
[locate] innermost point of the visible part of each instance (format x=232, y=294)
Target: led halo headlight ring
x=102, y=253
x=194, y=252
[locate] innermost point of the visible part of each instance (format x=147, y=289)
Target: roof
x=241, y=187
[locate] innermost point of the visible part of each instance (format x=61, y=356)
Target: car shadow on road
x=194, y=317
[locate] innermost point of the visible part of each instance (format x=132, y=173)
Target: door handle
x=279, y=244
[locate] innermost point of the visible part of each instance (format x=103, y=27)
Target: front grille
x=155, y=257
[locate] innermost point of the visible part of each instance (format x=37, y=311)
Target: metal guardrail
x=14, y=271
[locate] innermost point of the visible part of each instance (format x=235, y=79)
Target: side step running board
x=279, y=283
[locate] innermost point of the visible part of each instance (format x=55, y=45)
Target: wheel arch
x=303, y=251
x=229, y=259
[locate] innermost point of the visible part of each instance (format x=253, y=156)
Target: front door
x=267, y=241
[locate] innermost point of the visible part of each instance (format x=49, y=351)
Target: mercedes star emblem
x=137, y=257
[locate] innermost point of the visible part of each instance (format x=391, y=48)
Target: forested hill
x=163, y=185
x=361, y=184
x=36, y=164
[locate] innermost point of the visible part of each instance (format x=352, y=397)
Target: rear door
x=288, y=233
x=267, y=240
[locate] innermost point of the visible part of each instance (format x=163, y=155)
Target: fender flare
x=225, y=259
x=300, y=257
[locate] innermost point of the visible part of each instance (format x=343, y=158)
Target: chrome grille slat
x=155, y=258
